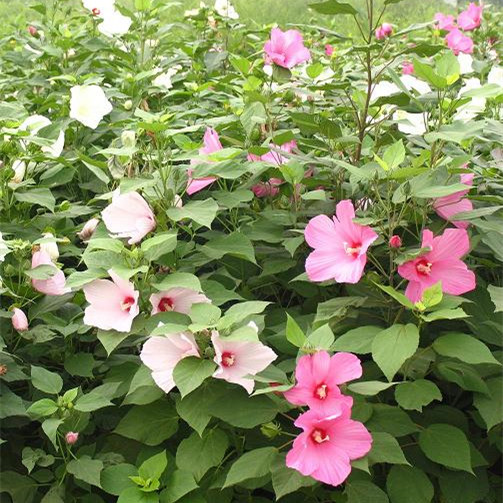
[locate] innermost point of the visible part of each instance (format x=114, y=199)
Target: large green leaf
x=202, y=212
x=191, y=372
x=464, y=347
x=414, y=395
x=250, y=465
x=333, y=7
x=408, y=484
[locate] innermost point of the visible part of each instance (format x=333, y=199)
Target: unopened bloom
x=19, y=168
x=407, y=68
x=32, y=30
x=212, y=144
x=449, y=206
x=444, y=22
x=470, y=18
x=328, y=444
x=226, y=9
x=161, y=354
x=129, y=216
x=286, y=48
x=395, y=241
x=55, y=285
x=4, y=249
x=318, y=378
x=267, y=189
x=442, y=263
x=71, y=437
x=88, y=105
x=383, y=31
x=329, y=50
x=459, y=42
x=100, y=8
x=50, y=246
x=19, y=320
x=113, y=305
x=177, y=299
x=88, y=230
x=340, y=246
x=237, y=360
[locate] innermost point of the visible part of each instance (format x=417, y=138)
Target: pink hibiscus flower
x=448, y=206
x=340, y=246
x=318, y=378
x=329, y=50
x=237, y=360
x=274, y=157
x=212, y=144
x=328, y=444
x=407, y=68
x=113, y=305
x=383, y=31
x=161, y=354
x=459, y=42
x=55, y=285
x=286, y=48
x=444, y=22
x=129, y=216
x=442, y=263
x=177, y=299
x=470, y=18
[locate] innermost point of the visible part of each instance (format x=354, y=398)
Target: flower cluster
x=331, y=439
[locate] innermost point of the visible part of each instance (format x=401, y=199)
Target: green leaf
x=136, y=495
x=179, y=484
x=391, y=420
x=202, y=212
x=491, y=407
x=44, y=407
x=197, y=455
x=361, y=491
x=142, y=4
x=359, y=340
x=78, y=279
x=159, y=245
x=393, y=346
x=431, y=296
x=41, y=196
x=45, y=271
x=408, y=484
x=459, y=487
x=149, y=424
x=294, y=333
x=370, y=388
x=92, y=401
x=253, y=114
x=321, y=338
x=153, y=467
x=398, y=296
x=333, y=7
x=86, y=469
x=115, y=478
x=385, y=449
x=46, y=381
x=286, y=480
x=191, y=372
x=50, y=427
x=178, y=280
x=204, y=314
x=448, y=67
x=80, y=364
x=463, y=375
x=111, y=339
x=464, y=347
x=394, y=155
x=250, y=465
x=444, y=314
x=235, y=244
x=415, y=395
x=240, y=311
x=446, y=445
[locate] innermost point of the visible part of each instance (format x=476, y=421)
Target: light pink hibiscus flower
x=340, y=246
x=212, y=144
x=444, y=22
x=55, y=285
x=161, y=354
x=459, y=42
x=442, y=263
x=273, y=157
x=286, y=48
x=238, y=360
x=328, y=444
x=177, y=299
x=318, y=378
x=470, y=18
x=448, y=206
x=113, y=305
x=129, y=216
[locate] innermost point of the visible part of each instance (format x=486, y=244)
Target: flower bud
x=395, y=241
x=128, y=139
x=19, y=320
x=19, y=168
x=270, y=430
x=329, y=50
x=128, y=105
x=50, y=248
x=71, y=437
x=88, y=230
x=32, y=30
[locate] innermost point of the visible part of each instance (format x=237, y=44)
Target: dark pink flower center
x=423, y=267
x=352, y=249
x=165, y=304
x=127, y=304
x=96, y=11
x=321, y=391
x=228, y=359
x=319, y=436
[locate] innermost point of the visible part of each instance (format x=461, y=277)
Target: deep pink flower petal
x=352, y=437
x=320, y=232
x=447, y=211
x=344, y=367
x=211, y=142
x=455, y=276
x=453, y=243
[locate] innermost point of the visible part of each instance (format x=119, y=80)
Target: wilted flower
x=55, y=285
x=225, y=9
x=19, y=320
x=286, y=49
x=161, y=354
x=177, y=299
x=395, y=241
x=89, y=105
x=88, y=230
x=442, y=263
x=113, y=305
x=71, y=437
x=267, y=189
x=340, y=246
x=237, y=360
x=383, y=31
x=470, y=18
x=459, y=42
x=129, y=216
